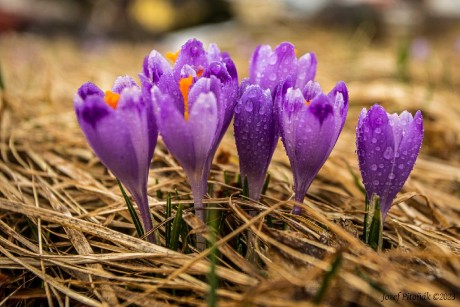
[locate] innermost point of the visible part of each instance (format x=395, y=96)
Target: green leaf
x=168, y=223
x=373, y=224
x=266, y=183
x=356, y=180
x=132, y=211
x=2, y=84
x=327, y=279
x=246, y=187
x=176, y=227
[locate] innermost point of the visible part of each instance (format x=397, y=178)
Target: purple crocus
x=120, y=127
x=387, y=146
x=255, y=125
x=195, y=100
x=310, y=123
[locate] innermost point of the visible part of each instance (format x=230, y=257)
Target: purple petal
x=123, y=82
x=258, y=63
x=274, y=67
x=311, y=89
x=375, y=147
x=306, y=70
x=138, y=115
x=255, y=136
x=307, y=134
x=388, y=146
x=191, y=53
x=110, y=138
x=88, y=89
x=155, y=66
x=170, y=87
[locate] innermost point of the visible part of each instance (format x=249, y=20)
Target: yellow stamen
x=172, y=55
x=307, y=102
x=184, y=86
x=111, y=99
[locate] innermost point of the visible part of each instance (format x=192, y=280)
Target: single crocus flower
x=195, y=99
x=387, y=147
x=255, y=124
x=310, y=123
x=120, y=127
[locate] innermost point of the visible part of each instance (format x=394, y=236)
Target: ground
x=67, y=236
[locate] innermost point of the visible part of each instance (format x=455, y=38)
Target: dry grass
x=67, y=237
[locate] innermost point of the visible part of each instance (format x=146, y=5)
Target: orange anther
x=307, y=102
x=172, y=55
x=111, y=99
x=184, y=86
x=199, y=72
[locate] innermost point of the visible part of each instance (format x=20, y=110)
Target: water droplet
x=261, y=112
x=376, y=182
x=366, y=129
x=377, y=148
x=273, y=59
x=374, y=140
x=252, y=94
x=378, y=121
x=418, y=121
x=391, y=176
x=378, y=130
x=237, y=109
x=265, y=126
x=216, y=69
x=272, y=76
x=381, y=165
x=388, y=154
x=374, y=167
x=248, y=106
x=401, y=166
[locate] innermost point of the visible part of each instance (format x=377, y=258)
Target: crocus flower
x=256, y=130
x=195, y=99
x=387, y=146
x=310, y=123
x=120, y=127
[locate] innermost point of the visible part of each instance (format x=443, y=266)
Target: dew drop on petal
x=273, y=59
x=378, y=130
x=391, y=176
x=248, y=106
x=376, y=182
x=381, y=165
x=418, y=121
x=401, y=166
x=374, y=140
x=374, y=167
x=388, y=154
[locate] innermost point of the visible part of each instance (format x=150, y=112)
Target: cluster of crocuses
x=192, y=102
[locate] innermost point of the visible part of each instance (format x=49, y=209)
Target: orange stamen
x=200, y=72
x=172, y=55
x=184, y=86
x=307, y=102
x=111, y=99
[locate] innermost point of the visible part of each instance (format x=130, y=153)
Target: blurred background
x=404, y=54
